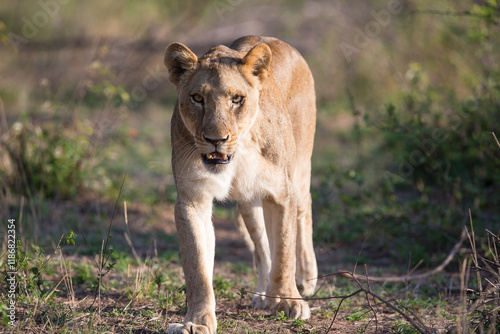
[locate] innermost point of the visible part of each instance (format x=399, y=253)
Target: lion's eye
x=197, y=98
x=238, y=99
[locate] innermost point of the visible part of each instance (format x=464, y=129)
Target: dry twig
x=408, y=315
x=434, y=271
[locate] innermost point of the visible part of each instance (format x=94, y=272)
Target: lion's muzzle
x=216, y=158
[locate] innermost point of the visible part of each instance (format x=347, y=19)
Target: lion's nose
x=216, y=142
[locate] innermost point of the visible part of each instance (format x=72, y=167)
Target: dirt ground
x=152, y=231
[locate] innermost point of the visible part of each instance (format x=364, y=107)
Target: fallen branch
x=408, y=315
x=406, y=278
x=416, y=323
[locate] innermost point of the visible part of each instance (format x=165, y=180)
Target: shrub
x=48, y=161
x=431, y=157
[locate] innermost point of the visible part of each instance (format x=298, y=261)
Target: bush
x=52, y=162
x=444, y=150
x=434, y=157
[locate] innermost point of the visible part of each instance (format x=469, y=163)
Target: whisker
x=187, y=155
x=181, y=139
x=183, y=146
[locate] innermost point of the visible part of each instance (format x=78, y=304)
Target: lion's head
x=218, y=95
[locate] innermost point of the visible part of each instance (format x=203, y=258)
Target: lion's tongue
x=216, y=155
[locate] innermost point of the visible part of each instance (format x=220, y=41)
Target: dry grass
x=481, y=302
x=143, y=291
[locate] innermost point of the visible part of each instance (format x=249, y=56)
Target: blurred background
x=408, y=96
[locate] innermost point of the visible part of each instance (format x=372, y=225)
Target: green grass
x=358, y=315
x=136, y=292
x=402, y=327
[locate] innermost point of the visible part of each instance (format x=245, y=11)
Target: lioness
x=243, y=129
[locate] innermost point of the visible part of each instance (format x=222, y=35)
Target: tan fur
x=270, y=137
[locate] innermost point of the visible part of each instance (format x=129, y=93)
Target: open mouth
x=216, y=158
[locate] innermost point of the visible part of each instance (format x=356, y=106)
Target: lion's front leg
x=282, y=294
x=197, y=246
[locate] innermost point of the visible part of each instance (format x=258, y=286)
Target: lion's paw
x=292, y=309
x=189, y=328
x=259, y=301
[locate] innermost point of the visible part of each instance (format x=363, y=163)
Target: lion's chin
x=216, y=158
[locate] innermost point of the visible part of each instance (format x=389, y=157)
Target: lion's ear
x=256, y=63
x=179, y=61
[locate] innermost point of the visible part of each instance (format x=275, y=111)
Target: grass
x=146, y=290
x=74, y=126
x=401, y=327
